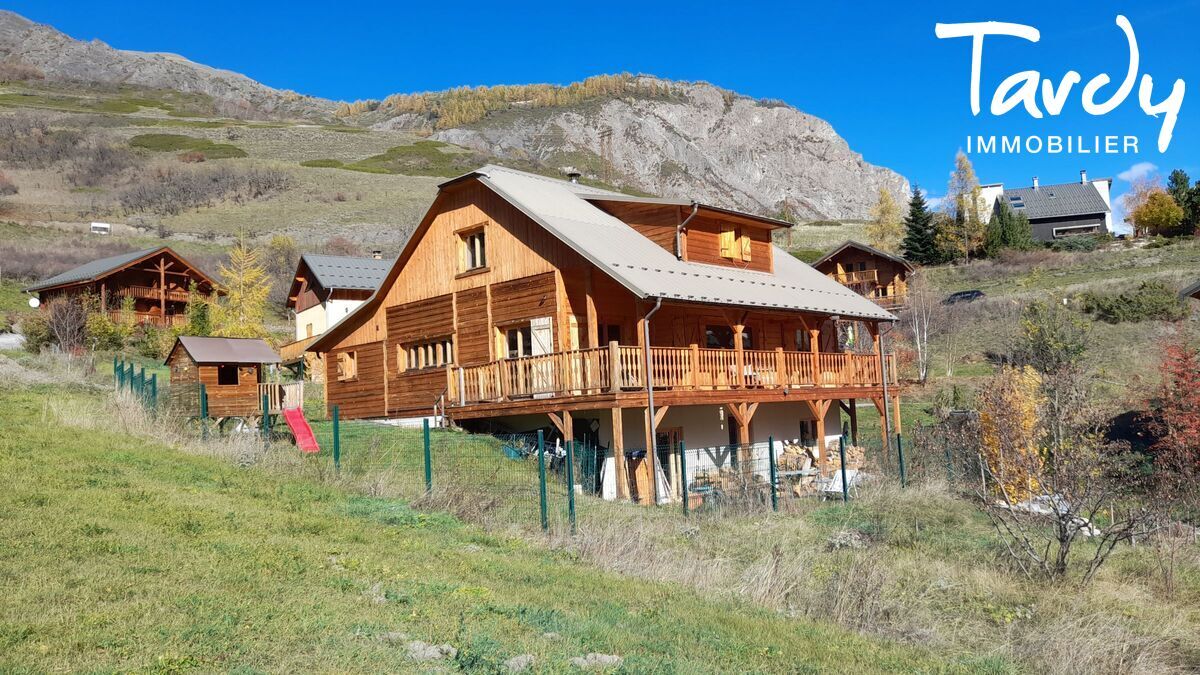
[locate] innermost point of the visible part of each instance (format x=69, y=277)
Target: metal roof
x=850, y=243
x=1056, y=201
x=226, y=350
x=339, y=271
x=94, y=269
x=1192, y=291
x=648, y=270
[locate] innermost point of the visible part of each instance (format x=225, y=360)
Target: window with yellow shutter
x=729, y=247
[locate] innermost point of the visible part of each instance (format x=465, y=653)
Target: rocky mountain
x=677, y=139
x=60, y=57
x=690, y=140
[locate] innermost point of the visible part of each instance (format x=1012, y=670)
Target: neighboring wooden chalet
x=522, y=301
x=1057, y=211
x=878, y=275
x=234, y=372
x=157, y=279
x=324, y=290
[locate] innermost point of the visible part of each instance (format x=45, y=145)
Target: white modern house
x=1057, y=211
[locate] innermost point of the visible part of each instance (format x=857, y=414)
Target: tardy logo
x=1022, y=89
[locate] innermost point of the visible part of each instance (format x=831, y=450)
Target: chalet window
x=520, y=342
x=347, y=366
x=227, y=375
x=721, y=337
x=474, y=250
x=429, y=354
x=735, y=244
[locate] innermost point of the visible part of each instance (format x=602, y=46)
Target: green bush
x=823, y=223
x=106, y=334
x=323, y=163
x=1152, y=301
x=147, y=341
x=1078, y=244
x=808, y=255
x=36, y=329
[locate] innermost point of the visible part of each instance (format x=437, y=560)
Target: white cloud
x=1137, y=171
x=934, y=201
x=1118, y=215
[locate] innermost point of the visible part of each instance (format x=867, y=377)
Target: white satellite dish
x=34, y=303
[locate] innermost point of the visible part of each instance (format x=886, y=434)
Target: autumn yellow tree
x=886, y=230
x=243, y=310
x=962, y=235
x=1157, y=214
x=1009, y=427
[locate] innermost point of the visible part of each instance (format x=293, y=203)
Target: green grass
x=182, y=143
x=423, y=158
x=121, y=554
x=323, y=163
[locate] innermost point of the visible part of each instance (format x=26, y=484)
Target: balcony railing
x=137, y=318
x=281, y=395
x=857, y=277
x=618, y=368
x=148, y=293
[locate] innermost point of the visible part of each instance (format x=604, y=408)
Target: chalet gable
x=136, y=261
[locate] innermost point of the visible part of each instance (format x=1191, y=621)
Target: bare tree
x=67, y=319
x=918, y=317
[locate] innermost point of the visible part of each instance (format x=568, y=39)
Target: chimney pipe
x=1083, y=175
x=378, y=255
x=1035, y=183
x=574, y=176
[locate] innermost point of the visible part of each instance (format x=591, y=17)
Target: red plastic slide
x=305, y=440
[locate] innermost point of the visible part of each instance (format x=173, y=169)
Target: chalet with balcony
x=155, y=282
x=874, y=274
x=324, y=290
x=626, y=322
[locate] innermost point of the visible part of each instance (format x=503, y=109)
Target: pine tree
x=243, y=310
x=1007, y=229
x=918, y=245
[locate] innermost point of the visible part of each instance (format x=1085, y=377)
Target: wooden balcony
x=138, y=318
x=148, y=293
x=857, y=277
x=615, y=368
x=891, y=302
x=294, y=351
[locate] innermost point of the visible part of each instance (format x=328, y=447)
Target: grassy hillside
x=125, y=555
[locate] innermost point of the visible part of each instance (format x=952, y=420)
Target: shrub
x=104, y=333
x=170, y=191
x=147, y=341
x=16, y=71
x=823, y=223
x=192, y=157
x=7, y=187
x=93, y=164
x=36, y=330
x=1152, y=301
x=180, y=142
x=1078, y=243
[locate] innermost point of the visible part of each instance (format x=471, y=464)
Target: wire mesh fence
x=538, y=480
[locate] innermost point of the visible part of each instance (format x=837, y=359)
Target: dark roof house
x=1060, y=210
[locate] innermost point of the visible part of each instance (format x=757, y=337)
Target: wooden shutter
x=745, y=239
x=728, y=241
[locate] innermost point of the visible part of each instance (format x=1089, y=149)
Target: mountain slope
x=672, y=139
x=61, y=57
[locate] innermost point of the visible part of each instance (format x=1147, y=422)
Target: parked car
x=964, y=296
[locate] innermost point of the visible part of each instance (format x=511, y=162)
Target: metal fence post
x=337, y=443
x=428, y=463
x=683, y=482
x=152, y=397
x=266, y=419
x=774, y=473
x=571, y=484
x=116, y=375
x=203, y=412
x=542, y=479
x=139, y=382
x=900, y=457
x=845, y=482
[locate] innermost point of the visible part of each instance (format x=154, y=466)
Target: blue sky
x=874, y=70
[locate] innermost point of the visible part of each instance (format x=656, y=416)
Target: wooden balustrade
x=118, y=316
x=282, y=395
x=617, y=368
x=150, y=293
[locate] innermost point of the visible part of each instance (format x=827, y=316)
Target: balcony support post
x=694, y=353
x=621, y=468
x=853, y=412
x=614, y=367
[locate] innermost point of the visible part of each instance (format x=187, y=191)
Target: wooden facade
x=537, y=329
x=155, y=285
x=877, y=275
x=233, y=387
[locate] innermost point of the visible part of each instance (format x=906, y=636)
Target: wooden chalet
x=878, y=275
x=326, y=288
x=522, y=301
x=235, y=374
x=156, y=279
